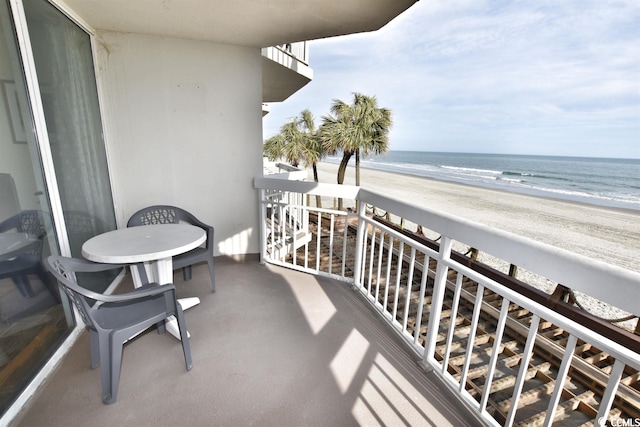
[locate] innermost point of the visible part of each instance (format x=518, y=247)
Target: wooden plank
x=37, y=346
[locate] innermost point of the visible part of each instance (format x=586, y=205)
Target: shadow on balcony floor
x=271, y=347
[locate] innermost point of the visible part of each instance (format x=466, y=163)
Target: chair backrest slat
x=62, y=269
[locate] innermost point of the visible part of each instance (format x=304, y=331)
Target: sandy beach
x=607, y=234
x=611, y=235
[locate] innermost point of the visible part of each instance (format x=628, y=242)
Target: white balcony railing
x=463, y=319
x=287, y=53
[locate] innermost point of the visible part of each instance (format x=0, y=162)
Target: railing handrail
x=310, y=187
x=608, y=283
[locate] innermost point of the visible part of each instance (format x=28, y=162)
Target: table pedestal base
x=161, y=271
x=172, y=323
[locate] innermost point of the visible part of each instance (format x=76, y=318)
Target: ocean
x=599, y=181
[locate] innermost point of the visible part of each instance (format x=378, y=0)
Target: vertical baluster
x=388, y=277
x=610, y=391
x=344, y=244
x=502, y=320
x=437, y=298
x=360, y=239
x=363, y=261
x=371, y=258
x=524, y=365
x=331, y=226
x=274, y=211
x=283, y=231
x=423, y=289
x=307, y=230
x=380, y=252
x=452, y=321
x=398, y=274
x=263, y=224
x=412, y=264
x=472, y=336
x=318, y=236
x=562, y=375
x=295, y=209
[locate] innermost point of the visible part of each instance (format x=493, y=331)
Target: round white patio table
x=152, y=245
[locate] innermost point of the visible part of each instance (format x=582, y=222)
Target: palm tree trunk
x=314, y=166
x=343, y=166
x=346, y=156
x=358, y=167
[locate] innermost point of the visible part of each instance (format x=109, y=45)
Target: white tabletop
x=143, y=243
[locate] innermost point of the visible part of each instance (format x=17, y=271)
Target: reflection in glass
x=64, y=64
x=32, y=318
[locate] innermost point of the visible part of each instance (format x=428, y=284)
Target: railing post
x=262, y=194
x=360, y=237
x=439, y=287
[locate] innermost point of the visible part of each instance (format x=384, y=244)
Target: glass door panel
x=64, y=65
x=32, y=318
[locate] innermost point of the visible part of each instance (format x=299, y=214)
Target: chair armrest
x=196, y=221
x=144, y=291
x=208, y=228
x=85, y=266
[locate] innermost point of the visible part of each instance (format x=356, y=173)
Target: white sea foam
x=611, y=182
x=481, y=171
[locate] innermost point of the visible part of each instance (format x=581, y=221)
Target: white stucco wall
x=183, y=125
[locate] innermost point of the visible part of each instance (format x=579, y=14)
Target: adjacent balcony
x=381, y=314
x=285, y=70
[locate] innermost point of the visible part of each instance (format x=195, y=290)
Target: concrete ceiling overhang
x=254, y=23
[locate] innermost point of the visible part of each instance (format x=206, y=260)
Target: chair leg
x=115, y=364
x=105, y=367
x=23, y=285
x=94, y=345
x=161, y=327
x=213, y=277
x=186, y=273
x=184, y=337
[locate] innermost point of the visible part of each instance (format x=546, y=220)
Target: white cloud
x=534, y=77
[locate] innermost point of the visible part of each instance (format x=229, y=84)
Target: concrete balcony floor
x=272, y=347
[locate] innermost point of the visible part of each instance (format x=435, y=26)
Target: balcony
x=272, y=346
x=511, y=353
x=285, y=70
x=358, y=320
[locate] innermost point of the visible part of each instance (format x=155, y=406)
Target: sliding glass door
x=64, y=65
x=34, y=317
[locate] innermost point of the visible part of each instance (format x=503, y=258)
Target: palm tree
x=286, y=145
x=297, y=142
x=361, y=126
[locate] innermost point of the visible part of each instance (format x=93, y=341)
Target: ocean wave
x=517, y=173
x=511, y=179
x=457, y=168
x=574, y=194
x=532, y=175
x=570, y=181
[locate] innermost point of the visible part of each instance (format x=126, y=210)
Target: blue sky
x=509, y=77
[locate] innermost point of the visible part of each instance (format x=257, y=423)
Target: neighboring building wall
x=183, y=124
